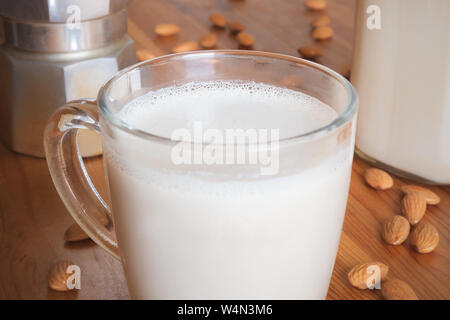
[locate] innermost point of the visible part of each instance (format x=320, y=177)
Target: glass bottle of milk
x=401, y=69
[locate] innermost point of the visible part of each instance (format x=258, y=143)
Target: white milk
x=402, y=75
x=184, y=236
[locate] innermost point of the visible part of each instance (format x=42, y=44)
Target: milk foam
x=227, y=105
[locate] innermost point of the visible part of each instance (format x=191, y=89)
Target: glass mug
x=209, y=231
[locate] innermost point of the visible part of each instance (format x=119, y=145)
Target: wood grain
x=33, y=218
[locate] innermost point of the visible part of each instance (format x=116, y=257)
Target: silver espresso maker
x=55, y=51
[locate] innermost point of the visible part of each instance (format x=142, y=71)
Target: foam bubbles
x=227, y=105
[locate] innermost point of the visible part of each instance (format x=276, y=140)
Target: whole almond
x=378, y=179
x=321, y=21
x=236, y=27
x=414, y=207
x=292, y=80
x=102, y=218
x=208, y=41
x=430, y=197
x=245, y=39
x=322, y=33
x=346, y=71
x=316, y=4
x=75, y=233
x=144, y=54
x=395, y=289
x=359, y=275
x=185, y=46
x=424, y=238
x=395, y=230
x=218, y=20
x=310, y=52
x=166, y=29
x=57, y=276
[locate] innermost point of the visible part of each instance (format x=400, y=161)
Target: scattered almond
x=245, y=39
x=414, y=207
x=260, y=61
x=208, y=41
x=321, y=21
x=322, y=33
x=57, y=276
x=359, y=274
x=144, y=54
x=424, y=238
x=166, y=29
x=218, y=20
x=395, y=289
x=310, y=52
x=316, y=4
x=378, y=179
x=75, y=233
x=102, y=218
x=430, y=197
x=395, y=230
x=292, y=80
x=236, y=27
x=185, y=46
x=346, y=71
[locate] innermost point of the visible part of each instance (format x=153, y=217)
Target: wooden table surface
x=33, y=218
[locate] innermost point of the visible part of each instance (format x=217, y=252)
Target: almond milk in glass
x=215, y=230
x=401, y=71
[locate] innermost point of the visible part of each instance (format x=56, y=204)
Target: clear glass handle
x=69, y=173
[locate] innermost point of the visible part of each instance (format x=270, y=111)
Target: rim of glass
x=342, y=119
